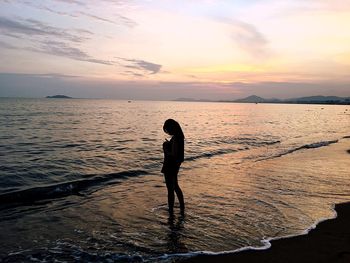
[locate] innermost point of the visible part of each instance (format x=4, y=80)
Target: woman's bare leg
x=171, y=200
x=180, y=196
x=173, y=186
x=170, y=184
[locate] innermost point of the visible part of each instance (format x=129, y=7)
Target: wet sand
x=328, y=242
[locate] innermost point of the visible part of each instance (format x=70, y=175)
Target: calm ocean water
x=80, y=179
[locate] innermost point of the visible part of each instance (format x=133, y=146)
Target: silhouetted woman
x=173, y=157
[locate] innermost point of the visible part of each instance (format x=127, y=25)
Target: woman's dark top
x=173, y=154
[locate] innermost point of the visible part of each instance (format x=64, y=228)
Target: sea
x=80, y=179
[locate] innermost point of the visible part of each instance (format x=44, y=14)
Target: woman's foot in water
x=171, y=211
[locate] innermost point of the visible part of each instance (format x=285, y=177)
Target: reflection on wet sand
x=175, y=242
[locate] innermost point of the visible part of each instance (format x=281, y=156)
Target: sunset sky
x=144, y=49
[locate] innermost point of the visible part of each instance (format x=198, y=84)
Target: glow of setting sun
x=144, y=42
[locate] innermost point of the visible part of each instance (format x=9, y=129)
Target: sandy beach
x=328, y=242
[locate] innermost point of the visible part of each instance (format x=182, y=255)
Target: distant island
x=59, y=97
x=303, y=100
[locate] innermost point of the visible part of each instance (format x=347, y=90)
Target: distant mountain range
x=302, y=100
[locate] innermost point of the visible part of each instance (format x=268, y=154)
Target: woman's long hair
x=172, y=127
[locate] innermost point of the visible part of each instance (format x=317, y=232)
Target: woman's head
x=172, y=127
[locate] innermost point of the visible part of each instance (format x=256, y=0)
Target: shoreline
x=325, y=241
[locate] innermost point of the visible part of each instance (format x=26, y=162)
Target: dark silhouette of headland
x=58, y=97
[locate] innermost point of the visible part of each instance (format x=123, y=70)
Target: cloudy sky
x=166, y=49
